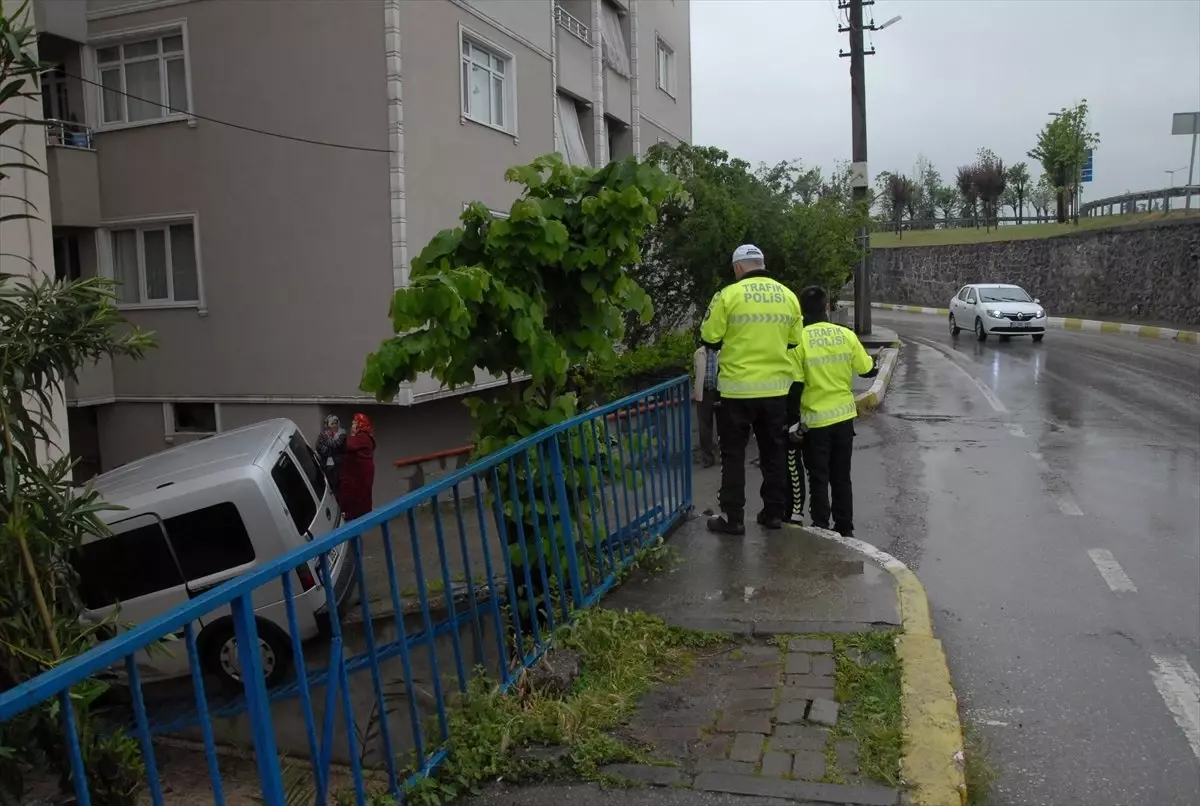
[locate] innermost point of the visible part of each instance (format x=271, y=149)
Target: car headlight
x=996, y=314
x=1040, y=314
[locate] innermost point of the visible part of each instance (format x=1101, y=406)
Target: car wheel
x=980, y=332
x=954, y=328
x=219, y=655
x=1039, y=336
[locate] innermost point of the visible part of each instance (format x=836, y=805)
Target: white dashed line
x=1064, y=500
x=1017, y=431
x=1112, y=571
x=1179, y=686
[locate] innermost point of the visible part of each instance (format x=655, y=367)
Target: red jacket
x=357, y=477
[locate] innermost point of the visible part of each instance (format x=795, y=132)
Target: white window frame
x=169, y=430
x=468, y=36
x=95, y=98
x=665, y=80
x=108, y=269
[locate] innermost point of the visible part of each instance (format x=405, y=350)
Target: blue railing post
x=564, y=519
x=257, y=704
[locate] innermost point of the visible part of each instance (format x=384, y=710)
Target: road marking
x=1017, y=431
x=995, y=723
x=1112, y=571
x=1064, y=500
x=1179, y=686
x=996, y=403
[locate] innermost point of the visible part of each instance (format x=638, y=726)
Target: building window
x=155, y=264
x=143, y=80
x=573, y=146
x=487, y=85
x=191, y=418
x=666, y=68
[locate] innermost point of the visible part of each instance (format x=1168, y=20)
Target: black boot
x=770, y=521
x=844, y=530
x=724, y=525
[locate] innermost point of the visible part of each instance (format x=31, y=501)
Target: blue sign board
x=1085, y=174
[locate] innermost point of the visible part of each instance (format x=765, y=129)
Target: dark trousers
x=827, y=453
x=706, y=415
x=795, y=473
x=767, y=418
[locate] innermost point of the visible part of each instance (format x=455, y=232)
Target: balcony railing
x=571, y=24
x=68, y=134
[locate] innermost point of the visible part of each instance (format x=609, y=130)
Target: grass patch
x=1017, y=232
x=869, y=695
x=623, y=656
x=980, y=773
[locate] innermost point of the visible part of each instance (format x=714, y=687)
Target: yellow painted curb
x=1149, y=332
x=913, y=308
x=1072, y=324
x=1188, y=337
x=1110, y=327
x=873, y=397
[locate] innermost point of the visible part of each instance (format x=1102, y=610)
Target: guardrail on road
x=553, y=519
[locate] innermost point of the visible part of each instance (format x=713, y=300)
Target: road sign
x=1085, y=174
x=1185, y=123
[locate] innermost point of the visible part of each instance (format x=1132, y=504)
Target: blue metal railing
x=549, y=525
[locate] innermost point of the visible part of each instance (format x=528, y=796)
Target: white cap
x=747, y=251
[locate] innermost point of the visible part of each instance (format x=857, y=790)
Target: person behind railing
x=706, y=397
x=331, y=449
x=754, y=321
x=821, y=409
x=357, y=478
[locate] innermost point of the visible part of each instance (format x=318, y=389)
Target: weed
x=980, y=773
x=870, y=703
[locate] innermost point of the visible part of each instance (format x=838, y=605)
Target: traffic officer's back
x=824, y=365
x=753, y=321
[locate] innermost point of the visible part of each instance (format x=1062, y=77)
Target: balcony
x=74, y=175
x=65, y=18
x=571, y=24
x=574, y=55
x=95, y=384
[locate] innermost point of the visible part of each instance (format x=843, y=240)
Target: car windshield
x=998, y=294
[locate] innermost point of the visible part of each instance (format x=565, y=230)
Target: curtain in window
x=144, y=86
x=183, y=263
x=574, y=147
x=616, y=55
x=154, y=248
x=125, y=265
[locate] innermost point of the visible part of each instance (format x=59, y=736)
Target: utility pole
x=858, y=136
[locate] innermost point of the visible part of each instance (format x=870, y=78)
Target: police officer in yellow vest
x=821, y=409
x=753, y=322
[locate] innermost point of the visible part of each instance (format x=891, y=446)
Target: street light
x=1171, y=173
x=892, y=21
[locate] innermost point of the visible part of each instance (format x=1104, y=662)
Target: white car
x=997, y=309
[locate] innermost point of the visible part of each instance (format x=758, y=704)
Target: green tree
x=1061, y=148
x=948, y=202
x=968, y=188
x=990, y=181
x=1041, y=196
x=900, y=192
x=48, y=330
x=1017, y=189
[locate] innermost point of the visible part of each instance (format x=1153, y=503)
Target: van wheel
x=980, y=331
x=954, y=328
x=219, y=655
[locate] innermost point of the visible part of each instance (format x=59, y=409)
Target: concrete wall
x=1145, y=272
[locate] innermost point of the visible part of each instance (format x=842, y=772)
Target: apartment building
x=258, y=174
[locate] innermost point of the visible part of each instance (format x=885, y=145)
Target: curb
x=1068, y=323
x=932, y=762
x=873, y=397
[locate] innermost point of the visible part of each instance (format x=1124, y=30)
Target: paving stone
x=747, y=747
x=793, y=738
x=776, y=764
x=823, y=664
x=847, y=756
x=644, y=773
x=802, y=693
x=791, y=711
x=757, y=699
x=758, y=656
x=810, y=645
x=798, y=663
x=809, y=680
x=725, y=766
x=711, y=747
x=767, y=677
x=795, y=790
x=745, y=722
x=809, y=765
x=823, y=712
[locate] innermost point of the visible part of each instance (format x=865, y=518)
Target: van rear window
x=296, y=496
x=139, y=562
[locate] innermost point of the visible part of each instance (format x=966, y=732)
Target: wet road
x=1049, y=497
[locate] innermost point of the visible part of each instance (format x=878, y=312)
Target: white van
x=203, y=513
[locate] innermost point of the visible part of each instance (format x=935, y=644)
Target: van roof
x=204, y=457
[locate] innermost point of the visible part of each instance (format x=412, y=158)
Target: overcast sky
x=951, y=76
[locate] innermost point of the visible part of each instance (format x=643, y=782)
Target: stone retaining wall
x=1148, y=272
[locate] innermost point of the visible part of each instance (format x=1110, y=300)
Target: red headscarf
x=363, y=425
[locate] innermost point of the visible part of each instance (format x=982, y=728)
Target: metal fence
x=449, y=586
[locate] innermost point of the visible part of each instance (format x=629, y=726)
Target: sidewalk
x=770, y=717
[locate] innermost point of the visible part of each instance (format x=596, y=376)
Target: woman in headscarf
x=358, y=469
x=331, y=447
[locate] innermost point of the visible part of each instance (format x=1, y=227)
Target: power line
x=294, y=138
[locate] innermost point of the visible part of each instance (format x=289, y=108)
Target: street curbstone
x=873, y=397
x=932, y=761
x=1074, y=323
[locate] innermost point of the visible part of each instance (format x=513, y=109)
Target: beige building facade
x=259, y=175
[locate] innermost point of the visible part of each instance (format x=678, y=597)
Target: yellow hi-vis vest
x=826, y=361
x=755, y=320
